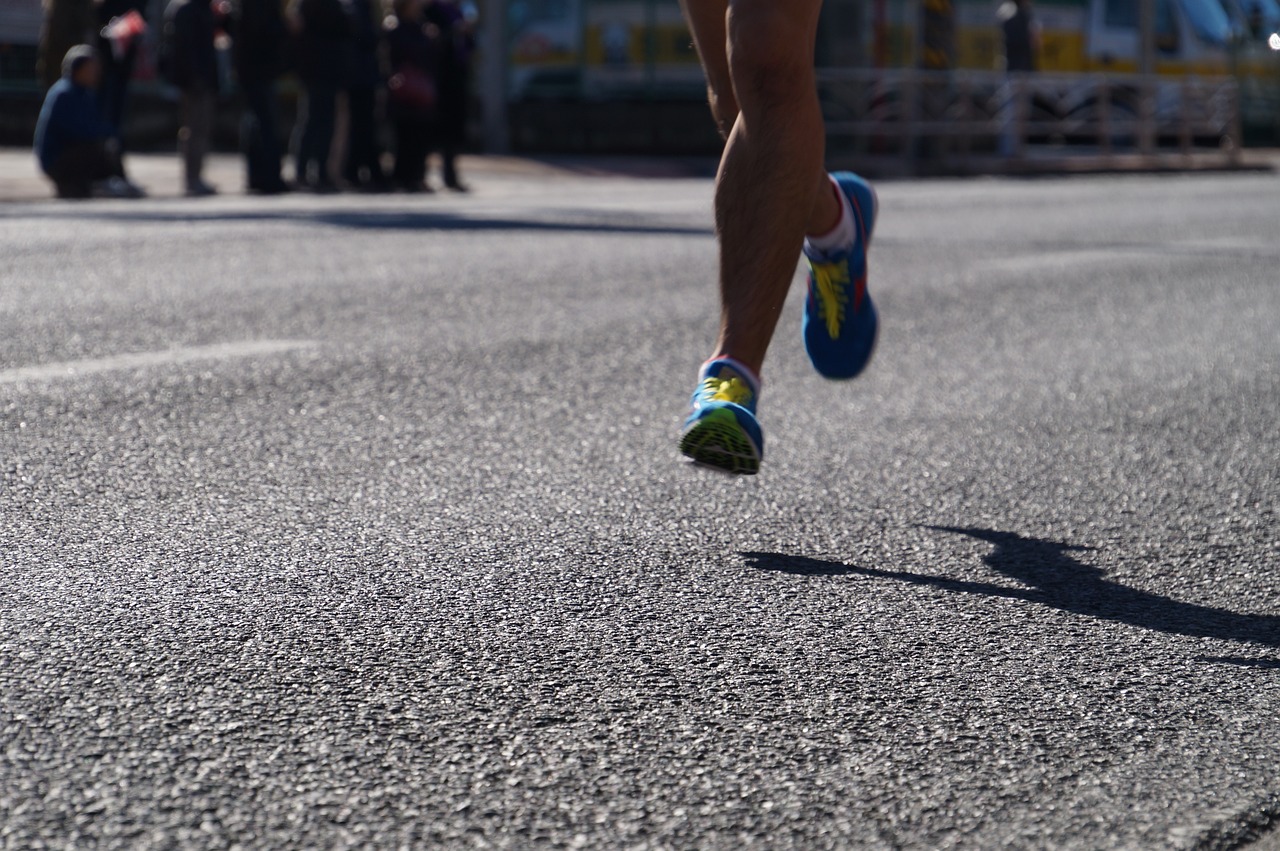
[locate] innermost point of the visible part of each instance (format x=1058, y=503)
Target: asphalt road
x=345, y=521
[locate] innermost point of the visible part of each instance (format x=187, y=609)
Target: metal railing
x=958, y=116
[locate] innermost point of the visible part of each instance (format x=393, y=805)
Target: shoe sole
x=719, y=442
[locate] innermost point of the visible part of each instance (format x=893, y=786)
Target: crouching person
x=75, y=147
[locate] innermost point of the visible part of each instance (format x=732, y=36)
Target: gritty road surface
x=346, y=521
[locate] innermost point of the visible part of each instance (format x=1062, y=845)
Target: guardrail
x=952, y=117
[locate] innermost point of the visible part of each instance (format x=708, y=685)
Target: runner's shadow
x=1053, y=577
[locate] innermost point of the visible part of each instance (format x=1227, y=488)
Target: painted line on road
x=1112, y=255
x=140, y=360
x=1048, y=261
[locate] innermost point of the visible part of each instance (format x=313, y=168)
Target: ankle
x=833, y=213
x=840, y=235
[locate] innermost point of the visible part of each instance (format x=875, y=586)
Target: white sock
x=840, y=237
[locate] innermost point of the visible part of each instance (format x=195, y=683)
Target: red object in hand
x=122, y=30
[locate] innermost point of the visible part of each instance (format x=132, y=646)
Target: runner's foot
x=840, y=321
x=721, y=430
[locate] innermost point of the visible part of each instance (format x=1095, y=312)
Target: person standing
x=774, y=201
x=191, y=64
x=411, y=94
x=258, y=34
x=66, y=24
x=76, y=149
x=456, y=46
x=362, y=167
x=324, y=44
x=118, y=53
x=1021, y=33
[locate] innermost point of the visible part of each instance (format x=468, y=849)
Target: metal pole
x=493, y=75
x=1147, y=68
x=1104, y=116
x=1022, y=114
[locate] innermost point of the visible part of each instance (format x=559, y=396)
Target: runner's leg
x=772, y=188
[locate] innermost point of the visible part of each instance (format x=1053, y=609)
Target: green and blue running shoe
x=721, y=430
x=840, y=321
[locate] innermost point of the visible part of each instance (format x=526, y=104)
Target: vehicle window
x=1208, y=20
x=1270, y=11
x=1121, y=13
x=1166, y=27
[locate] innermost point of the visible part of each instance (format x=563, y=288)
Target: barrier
x=932, y=119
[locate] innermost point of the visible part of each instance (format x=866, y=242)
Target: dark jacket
x=324, y=45
x=257, y=40
x=69, y=115
x=1018, y=27
x=408, y=46
x=190, y=59
x=366, y=67
x=456, y=44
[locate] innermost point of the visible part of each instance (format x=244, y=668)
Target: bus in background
x=595, y=49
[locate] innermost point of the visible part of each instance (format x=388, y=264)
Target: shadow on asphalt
x=1058, y=580
x=572, y=220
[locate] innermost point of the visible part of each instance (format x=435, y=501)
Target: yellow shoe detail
x=733, y=390
x=831, y=282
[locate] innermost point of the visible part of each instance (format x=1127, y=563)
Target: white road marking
x=139, y=360
x=1121, y=255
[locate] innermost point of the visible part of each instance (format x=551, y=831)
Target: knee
x=724, y=106
x=770, y=53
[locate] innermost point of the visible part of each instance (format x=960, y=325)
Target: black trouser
x=313, y=135
x=362, y=139
x=413, y=143
x=82, y=164
x=448, y=162
x=260, y=136
x=198, y=105
x=113, y=91
x=451, y=127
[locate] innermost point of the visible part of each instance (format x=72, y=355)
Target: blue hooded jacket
x=69, y=115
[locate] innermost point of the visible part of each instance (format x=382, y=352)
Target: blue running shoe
x=721, y=430
x=840, y=322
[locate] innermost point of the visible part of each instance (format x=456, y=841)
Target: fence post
x=1104, y=116
x=1184, y=117
x=1021, y=115
x=493, y=76
x=1235, y=151
x=1147, y=116
x=911, y=114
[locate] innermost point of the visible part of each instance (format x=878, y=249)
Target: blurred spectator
x=190, y=62
x=75, y=147
x=411, y=93
x=258, y=40
x=67, y=23
x=120, y=25
x=324, y=45
x=456, y=47
x=363, y=166
x=1256, y=20
x=1021, y=35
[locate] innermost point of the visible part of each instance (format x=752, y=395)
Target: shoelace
x=832, y=280
x=733, y=390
